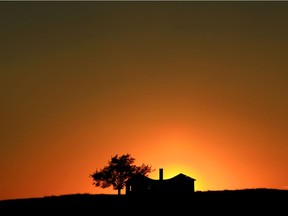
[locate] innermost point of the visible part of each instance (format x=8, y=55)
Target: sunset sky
x=199, y=88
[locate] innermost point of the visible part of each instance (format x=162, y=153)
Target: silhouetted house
x=140, y=184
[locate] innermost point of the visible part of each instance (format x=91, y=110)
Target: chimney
x=161, y=174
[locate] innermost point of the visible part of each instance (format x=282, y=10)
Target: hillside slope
x=225, y=202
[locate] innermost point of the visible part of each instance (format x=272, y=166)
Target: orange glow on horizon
x=190, y=87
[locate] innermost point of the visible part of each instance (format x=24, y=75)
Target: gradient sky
x=198, y=88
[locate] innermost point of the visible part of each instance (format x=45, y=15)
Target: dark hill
x=230, y=202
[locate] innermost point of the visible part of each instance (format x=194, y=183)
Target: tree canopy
x=118, y=171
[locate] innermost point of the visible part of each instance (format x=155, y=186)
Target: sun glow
x=172, y=144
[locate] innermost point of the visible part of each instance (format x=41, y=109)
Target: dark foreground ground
x=228, y=202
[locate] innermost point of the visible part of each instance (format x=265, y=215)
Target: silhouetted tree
x=118, y=171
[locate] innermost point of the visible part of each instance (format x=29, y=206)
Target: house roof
x=139, y=177
x=143, y=178
x=182, y=177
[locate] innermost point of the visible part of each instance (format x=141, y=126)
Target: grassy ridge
x=226, y=202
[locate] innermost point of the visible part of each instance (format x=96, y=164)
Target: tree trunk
x=119, y=191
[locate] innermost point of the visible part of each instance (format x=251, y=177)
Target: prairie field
x=246, y=201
